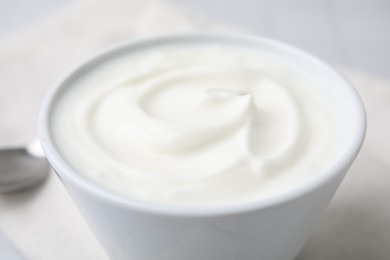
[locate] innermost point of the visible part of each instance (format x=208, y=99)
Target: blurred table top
x=41, y=39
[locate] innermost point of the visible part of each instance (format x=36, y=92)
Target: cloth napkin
x=43, y=222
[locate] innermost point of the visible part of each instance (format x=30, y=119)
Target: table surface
x=41, y=39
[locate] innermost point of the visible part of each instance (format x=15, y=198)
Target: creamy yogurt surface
x=196, y=124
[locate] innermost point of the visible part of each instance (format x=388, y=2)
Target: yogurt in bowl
x=206, y=139
x=197, y=124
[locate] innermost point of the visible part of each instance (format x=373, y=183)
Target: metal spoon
x=22, y=167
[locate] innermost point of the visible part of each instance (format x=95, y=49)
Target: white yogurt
x=196, y=124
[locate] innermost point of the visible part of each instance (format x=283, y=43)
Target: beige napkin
x=44, y=224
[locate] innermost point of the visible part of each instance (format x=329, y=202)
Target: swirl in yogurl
x=196, y=124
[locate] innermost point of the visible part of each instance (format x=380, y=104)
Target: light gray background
x=351, y=33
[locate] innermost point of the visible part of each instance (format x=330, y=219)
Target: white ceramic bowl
x=268, y=229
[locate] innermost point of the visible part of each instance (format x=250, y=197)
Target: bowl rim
x=66, y=171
